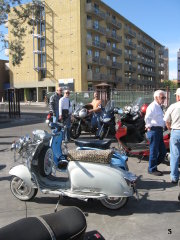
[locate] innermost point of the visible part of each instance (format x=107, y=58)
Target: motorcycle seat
x=102, y=144
x=69, y=223
x=93, y=156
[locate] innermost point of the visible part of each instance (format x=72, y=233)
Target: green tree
x=21, y=13
x=170, y=84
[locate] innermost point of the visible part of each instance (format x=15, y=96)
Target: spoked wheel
x=114, y=202
x=20, y=190
x=45, y=161
x=75, y=131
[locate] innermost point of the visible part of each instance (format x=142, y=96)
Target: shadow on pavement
x=143, y=206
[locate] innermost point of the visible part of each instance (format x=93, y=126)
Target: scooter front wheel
x=20, y=190
x=45, y=161
x=114, y=203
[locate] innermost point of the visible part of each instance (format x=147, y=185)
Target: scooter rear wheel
x=114, y=203
x=20, y=190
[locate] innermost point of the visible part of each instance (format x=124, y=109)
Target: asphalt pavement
x=154, y=216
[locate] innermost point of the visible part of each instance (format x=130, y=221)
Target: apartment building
x=166, y=63
x=81, y=43
x=178, y=66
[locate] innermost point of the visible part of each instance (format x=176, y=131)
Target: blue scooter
x=59, y=160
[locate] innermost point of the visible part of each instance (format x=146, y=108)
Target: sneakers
x=156, y=173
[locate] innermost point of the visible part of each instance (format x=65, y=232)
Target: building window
x=96, y=54
x=114, y=59
x=96, y=24
x=97, y=69
x=96, y=38
x=89, y=52
x=89, y=67
x=108, y=43
x=114, y=45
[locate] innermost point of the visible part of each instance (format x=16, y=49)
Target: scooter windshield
x=110, y=106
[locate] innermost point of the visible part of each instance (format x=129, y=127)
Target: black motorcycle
x=69, y=223
x=133, y=119
x=107, y=120
x=81, y=121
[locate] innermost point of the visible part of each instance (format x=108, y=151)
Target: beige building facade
x=81, y=43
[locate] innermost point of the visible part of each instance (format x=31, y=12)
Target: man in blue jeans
x=154, y=125
x=172, y=118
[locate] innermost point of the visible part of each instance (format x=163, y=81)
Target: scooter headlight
x=105, y=120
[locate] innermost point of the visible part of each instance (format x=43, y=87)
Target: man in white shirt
x=154, y=125
x=65, y=110
x=172, y=118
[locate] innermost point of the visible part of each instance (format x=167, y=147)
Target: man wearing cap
x=154, y=126
x=172, y=119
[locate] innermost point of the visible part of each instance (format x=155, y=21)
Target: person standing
x=96, y=112
x=65, y=110
x=154, y=126
x=54, y=103
x=172, y=119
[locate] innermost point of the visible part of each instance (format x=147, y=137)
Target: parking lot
x=154, y=216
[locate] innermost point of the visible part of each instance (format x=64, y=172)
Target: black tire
x=45, y=161
x=114, y=203
x=20, y=190
x=75, y=131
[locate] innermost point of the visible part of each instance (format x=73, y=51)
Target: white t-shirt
x=172, y=115
x=64, y=103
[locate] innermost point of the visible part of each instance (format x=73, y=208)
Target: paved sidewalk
x=154, y=216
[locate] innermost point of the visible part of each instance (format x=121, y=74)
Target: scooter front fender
x=22, y=172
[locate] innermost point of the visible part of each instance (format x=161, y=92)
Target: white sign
x=66, y=81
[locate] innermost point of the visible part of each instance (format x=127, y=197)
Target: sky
x=158, y=18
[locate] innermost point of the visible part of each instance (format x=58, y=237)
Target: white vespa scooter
x=96, y=180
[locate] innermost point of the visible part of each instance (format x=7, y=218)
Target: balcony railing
x=112, y=78
x=113, y=22
x=116, y=65
x=145, y=52
x=129, y=68
x=93, y=76
x=96, y=60
x=130, y=44
x=97, y=12
x=92, y=26
x=130, y=57
x=161, y=60
x=114, y=36
x=145, y=72
x=146, y=42
x=129, y=80
x=161, y=51
x=143, y=61
x=130, y=32
x=114, y=50
x=96, y=44
x=160, y=68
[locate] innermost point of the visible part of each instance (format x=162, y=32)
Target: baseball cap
x=177, y=92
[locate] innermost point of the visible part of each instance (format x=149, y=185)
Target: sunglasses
x=162, y=97
x=67, y=93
